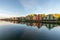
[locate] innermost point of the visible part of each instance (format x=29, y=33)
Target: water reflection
x=34, y=24
x=50, y=26
x=29, y=31
x=39, y=25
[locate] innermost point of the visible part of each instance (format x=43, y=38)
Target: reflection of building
x=50, y=26
x=35, y=24
x=49, y=17
x=39, y=25
x=15, y=22
x=28, y=24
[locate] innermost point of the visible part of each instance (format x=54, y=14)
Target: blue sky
x=24, y=7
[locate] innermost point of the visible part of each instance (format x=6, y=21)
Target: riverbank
x=36, y=21
x=44, y=21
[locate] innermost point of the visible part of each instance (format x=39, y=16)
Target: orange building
x=39, y=17
x=32, y=16
x=39, y=25
x=36, y=17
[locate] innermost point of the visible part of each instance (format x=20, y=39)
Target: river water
x=29, y=31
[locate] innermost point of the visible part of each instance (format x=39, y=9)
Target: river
x=28, y=31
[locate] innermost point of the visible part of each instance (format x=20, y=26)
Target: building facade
x=49, y=17
x=39, y=17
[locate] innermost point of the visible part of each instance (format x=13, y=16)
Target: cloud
x=41, y=6
x=31, y=6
